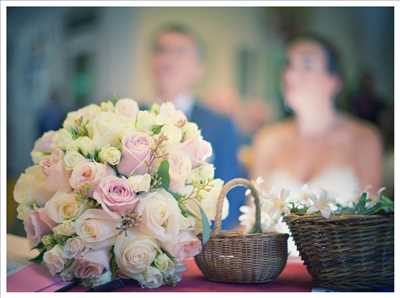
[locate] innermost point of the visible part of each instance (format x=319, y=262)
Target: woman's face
x=307, y=83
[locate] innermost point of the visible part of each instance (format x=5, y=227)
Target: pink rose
x=45, y=142
x=91, y=265
x=88, y=174
x=185, y=246
x=36, y=225
x=115, y=194
x=53, y=167
x=197, y=149
x=179, y=171
x=136, y=153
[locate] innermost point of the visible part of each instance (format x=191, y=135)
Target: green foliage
x=156, y=129
x=163, y=173
x=39, y=257
x=114, y=266
x=206, y=230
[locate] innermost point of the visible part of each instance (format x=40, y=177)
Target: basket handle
x=225, y=189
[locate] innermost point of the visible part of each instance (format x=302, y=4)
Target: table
x=294, y=278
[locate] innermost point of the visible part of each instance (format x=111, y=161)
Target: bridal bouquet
x=119, y=192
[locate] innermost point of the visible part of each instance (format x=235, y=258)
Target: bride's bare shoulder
x=277, y=132
x=362, y=132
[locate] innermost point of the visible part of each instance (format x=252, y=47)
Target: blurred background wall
x=68, y=57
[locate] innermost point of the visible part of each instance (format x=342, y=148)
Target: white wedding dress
x=340, y=182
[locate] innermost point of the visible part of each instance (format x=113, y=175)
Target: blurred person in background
x=177, y=65
x=52, y=114
x=319, y=146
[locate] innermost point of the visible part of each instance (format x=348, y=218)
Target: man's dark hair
x=330, y=51
x=181, y=29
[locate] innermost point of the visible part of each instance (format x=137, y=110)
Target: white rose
x=54, y=259
x=127, y=107
x=110, y=155
x=31, y=187
x=81, y=117
x=134, y=252
x=23, y=211
x=145, y=121
x=160, y=214
x=107, y=128
x=107, y=106
x=179, y=171
x=163, y=262
x=37, y=156
x=63, y=139
x=170, y=115
x=74, y=247
x=72, y=158
x=203, y=172
x=63, y=206
x=66, y=228
x=190, y=131
x=85, y=145
x=173, y=134
x=208, y=200
x=140, y=182
x=97, y=228
x=151, y=278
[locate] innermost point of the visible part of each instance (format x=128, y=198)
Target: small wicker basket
x=346, y=252
x=238, y=258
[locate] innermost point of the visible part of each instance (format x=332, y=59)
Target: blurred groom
x=177, y=65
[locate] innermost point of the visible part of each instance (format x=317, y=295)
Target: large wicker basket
x=347, y=252
x=238, y=258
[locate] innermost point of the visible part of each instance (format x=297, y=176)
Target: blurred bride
x=319, y=146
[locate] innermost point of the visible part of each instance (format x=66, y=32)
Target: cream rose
x=168, y=114
x=134, y=252
x=63, y=206
x=191, y=131
x=32, y=187
x=110, y=155
x=203, y=172
x=74, y=247
x=172, y=133
x=107, y=106
x=85, y=145
x=180, y=168
x=127, y=107
x=67, y=228
x=140, y=183
x=160, y=214
x=163, y=263
x=42, y=146
x=97, y=228
x=56, y=174
x=72, y=158
x=197, y=149
x=54, y=259
x=88, y=174
x=185, y=246
x=145, y=121
x=63, y=139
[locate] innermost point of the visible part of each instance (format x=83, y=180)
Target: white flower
x=31, y=187
x=63, y=139
x=208, y=200
x=173, y=134
x=151, y=278
x=72, y=158
x=85, y=145
x=134, y=252
x=110, y=155
x=162, y=262
x=97, y=228
x=74, y=247
x=66, y=228
x=140, y=182
x=107, y=106
x=54, y=259
x=321, y=204
x=63, y=206
x=23, y=211
x=160, y=214
x=203, y=172
x=170, y=115
x=81, y=117
x=305, y=197
x=145, y=121
x=190, y=131
x=127, y=108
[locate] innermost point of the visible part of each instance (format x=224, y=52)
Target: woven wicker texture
x=233, y=257
x=348, y=252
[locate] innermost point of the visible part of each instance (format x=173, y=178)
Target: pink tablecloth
x=294, y=278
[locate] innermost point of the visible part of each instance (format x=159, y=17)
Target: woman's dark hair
x=331, y=52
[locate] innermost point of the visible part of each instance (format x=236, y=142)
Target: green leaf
x=360, y=208
x=114, y=265
x=156, y=129
x=206, y=230
x=163, y=173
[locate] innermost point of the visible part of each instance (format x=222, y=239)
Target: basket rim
x=250, y=236
x=335, y=218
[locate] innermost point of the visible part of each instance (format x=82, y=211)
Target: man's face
x=176, y=64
